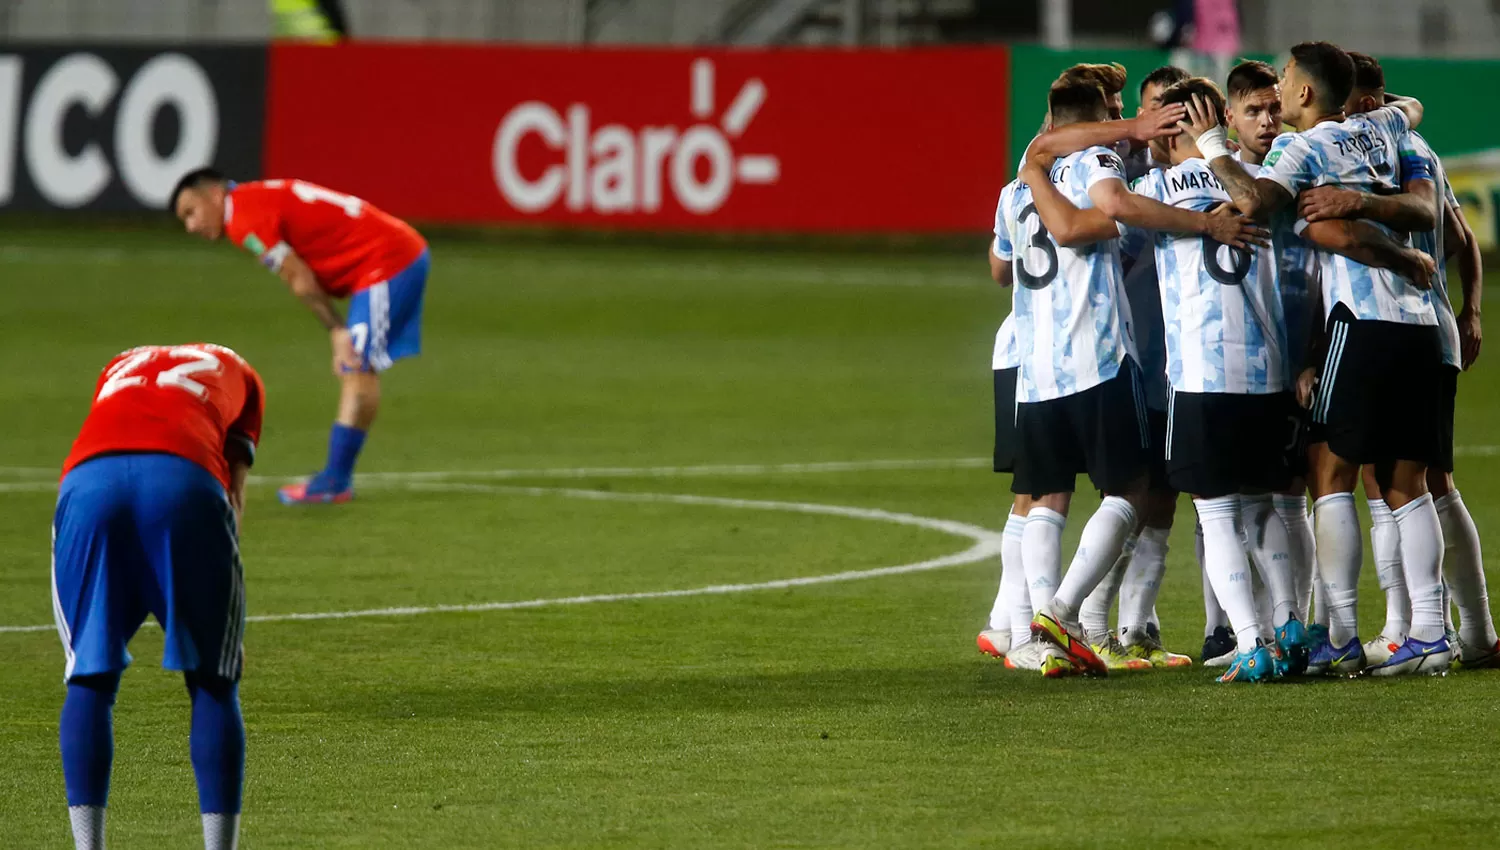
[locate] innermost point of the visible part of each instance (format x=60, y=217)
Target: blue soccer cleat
x=319, y=490
x=1257, y=665
x=1415, y=656
x=1292, y=640
x=1329, y=660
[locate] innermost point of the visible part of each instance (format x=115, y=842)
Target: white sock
x=1263, y=608
x=1143, y=578
x=221, y=831
x=1228, y=566
x=1266, y=541
x=1041, y=554
x=1010, y=571
x=1464, y=565
x=1339, y=556
x=1299, y=543
x=1098, y=547
x=88, y=827
x=1422, y=560
x=1094, y=615
x=1013, y=581
x=1213, y=612
x=1385, y=541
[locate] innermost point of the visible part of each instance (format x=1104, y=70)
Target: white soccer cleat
x=994, y=642
x=1380, y=649
x=1027, y=656
x=1222, y=660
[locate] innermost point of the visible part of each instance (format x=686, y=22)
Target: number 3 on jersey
x=121, y=376
x=1041, y=240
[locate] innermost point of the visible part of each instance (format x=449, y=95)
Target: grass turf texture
x=855, y=714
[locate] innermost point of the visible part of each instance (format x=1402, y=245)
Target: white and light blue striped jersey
x=1357, y=153
x=1418, y=158
x=1220, y=305
x=1072, y=320
x=1296, y=280
x=1144, y=295
x=1007, y=352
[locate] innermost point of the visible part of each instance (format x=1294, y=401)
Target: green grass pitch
x=847, y=714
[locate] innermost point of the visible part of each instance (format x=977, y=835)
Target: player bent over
x=148, y=523
x=325, y=245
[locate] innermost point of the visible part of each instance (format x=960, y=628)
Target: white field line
x=986, y=545
x=378, y=479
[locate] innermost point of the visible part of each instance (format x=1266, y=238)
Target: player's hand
x=1470, y=335
x=345, y=358
x=1228, y=227
x=1327, y=202
x=1200, y=118
x=1307, y=385
x=1420, y=270
x=1158, y=123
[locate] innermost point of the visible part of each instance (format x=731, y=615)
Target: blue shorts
x=386, y=319
x=147, y=533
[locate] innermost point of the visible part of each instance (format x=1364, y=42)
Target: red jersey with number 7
x=349, y=244
x=184, y=400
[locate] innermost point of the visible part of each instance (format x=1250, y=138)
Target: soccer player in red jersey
x=148, y=522
x=325, y=245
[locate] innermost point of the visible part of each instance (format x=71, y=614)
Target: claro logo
x=73, y=175
x=616, y=169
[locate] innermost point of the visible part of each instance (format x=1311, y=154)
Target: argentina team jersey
x=1357, y=153
x=1220, y=305
x=1007, y=352
x=1417, y=158
x=1072, y=320
x=1296, y=281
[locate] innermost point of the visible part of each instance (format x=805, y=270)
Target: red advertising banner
x=776, y=141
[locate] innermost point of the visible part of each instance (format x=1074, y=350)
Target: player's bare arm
x=300, y=279
x=1255, y=197
x=999, y=270
x=1409, y=105
x=1314, y=352
x=1151, y=124
x=1471, y=279
x=1364, y=243
x=238, y=455
x=1070, y=226
x=1115, y=200
x=1413, y=210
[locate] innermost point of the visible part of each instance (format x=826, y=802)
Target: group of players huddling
x=1249, y=323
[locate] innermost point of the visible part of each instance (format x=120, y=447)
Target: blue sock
x=344, y=444
x=87, y=737
x=217, y=743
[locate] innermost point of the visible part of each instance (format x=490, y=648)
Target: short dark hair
x=1109, y=78
x=1250, y=76
x=194, y=179
x=1072, y=101
x=1368, y=75
x=1165, y=76
x=1330, y=69
x=1203, y=87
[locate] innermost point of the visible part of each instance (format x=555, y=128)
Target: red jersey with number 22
x=348, y=243
x=185, y=400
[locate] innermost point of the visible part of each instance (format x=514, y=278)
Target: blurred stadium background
x=684, y=251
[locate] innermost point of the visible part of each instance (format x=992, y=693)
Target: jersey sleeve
x=1291, y=163
x=1002, y=245
x=1414, y=159
x=1096, y=165
x=255, y=225
x=247, y=427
